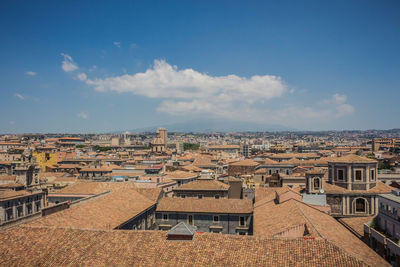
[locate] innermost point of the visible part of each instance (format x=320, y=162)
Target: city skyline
x=106, y=68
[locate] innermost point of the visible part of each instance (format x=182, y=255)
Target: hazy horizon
x=104, y=67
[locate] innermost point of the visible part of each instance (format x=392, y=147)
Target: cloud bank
x=189, y=92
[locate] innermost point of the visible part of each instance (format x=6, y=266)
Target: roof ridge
x=305, y=216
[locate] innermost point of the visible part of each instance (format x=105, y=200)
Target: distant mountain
x=215, y=125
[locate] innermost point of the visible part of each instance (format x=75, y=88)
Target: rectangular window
x=358, y=175
x=165, y=217
x=190, y=219
x=199, y=196
x=372, y=175
x=183, y=196
x=216, y=219
x=242, y=221
x=340, y=174
x=216, y=196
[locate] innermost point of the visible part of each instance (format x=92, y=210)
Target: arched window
x=316, y=184
x=360, y=205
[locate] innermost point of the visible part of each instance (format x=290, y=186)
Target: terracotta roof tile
x=352, y=159
x=246, y=162
x=237, y=206
x=70, y=247
x=271, y=219
x=103, y=212
x=380, y=188
x=204, y=185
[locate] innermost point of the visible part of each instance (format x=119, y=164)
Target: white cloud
x=186, y=92
x=83, y=115
x=344, y=110
x=166, y=81
x=82, y=76
x=30, y=73
x=117, y=44
x=68, y=63
x=19, y=96
x=12, y=122
x=339, y=99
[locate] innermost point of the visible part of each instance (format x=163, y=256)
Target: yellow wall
x=44, y=159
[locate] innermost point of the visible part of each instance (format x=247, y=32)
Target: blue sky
x=93, y=66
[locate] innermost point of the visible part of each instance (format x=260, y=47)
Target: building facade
x=226, y=216
x=16, y=205
x=352, y=188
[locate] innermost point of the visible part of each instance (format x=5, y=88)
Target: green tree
x=190, y=146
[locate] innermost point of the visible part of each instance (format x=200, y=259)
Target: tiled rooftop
x=234, y=206
x=272, y=219
x=107, y=211
x=204, y=185
x=71, y=247
x=380, y=188
x=352, y=159
x=181, y=175
x=246, y=162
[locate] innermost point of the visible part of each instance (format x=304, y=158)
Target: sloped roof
x=70, y=247
x=204, y=162
x=352, y=159
x=235, y=206
x=380, y=188
x=271, y=219
x=181, y=175
x=268, y=161
x=107, y=211
x=203, y=184
x=246, y=162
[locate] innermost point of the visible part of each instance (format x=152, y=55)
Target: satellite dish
x=322, y=191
